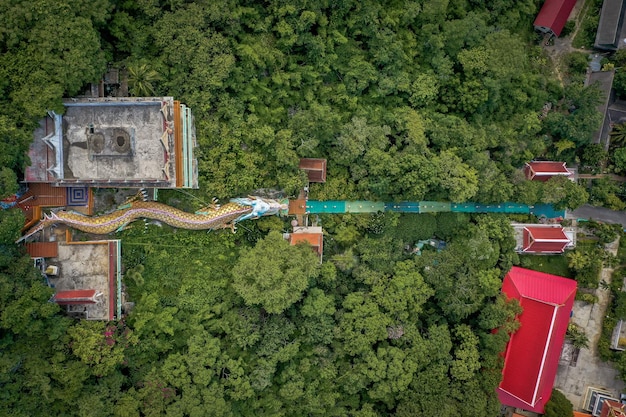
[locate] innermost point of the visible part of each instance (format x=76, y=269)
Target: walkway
x=588, y=211
x=589, y=370
x=614, y=177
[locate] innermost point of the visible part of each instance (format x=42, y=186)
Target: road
x=599, y=213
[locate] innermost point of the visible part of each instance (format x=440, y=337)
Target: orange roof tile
x=42, y=249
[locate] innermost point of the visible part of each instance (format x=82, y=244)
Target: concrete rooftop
x=123, y=142
x=89, y=265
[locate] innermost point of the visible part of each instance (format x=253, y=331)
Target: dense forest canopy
x=408, y=100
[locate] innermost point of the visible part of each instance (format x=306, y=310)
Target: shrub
x=587, y=298
x=558, y=406
x=577, y=62
x=569, y=27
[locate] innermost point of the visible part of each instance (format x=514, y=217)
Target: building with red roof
x=612, y=408
x=315, y=168
x=544, y=170
x=314, y=236
x=72, y=297
x=553, y=16
x=532, y=355
x=542, y=239
x=42, y=249
x=86, y=277
x=129, y=142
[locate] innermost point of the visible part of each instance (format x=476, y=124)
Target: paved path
x=598, y=213
x=589, y=370
x=614, y=177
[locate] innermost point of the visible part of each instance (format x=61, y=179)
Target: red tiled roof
x=548, y=167
x=45, y=195
x=297, y=206
x=316, y=240
x=75, y=297
x=532, y=354
x=42, y=249
x=544, y=239
x=40, y=195
x=544, y=170
x=315, y=169
x=554, y=14
x=612, y=409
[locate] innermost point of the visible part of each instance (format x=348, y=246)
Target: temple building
x=544, y=170
x=116, y=142
x=531, y=358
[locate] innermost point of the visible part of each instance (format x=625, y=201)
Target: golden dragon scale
x=213, y=218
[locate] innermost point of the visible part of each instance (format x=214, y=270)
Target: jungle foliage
x=408, y=100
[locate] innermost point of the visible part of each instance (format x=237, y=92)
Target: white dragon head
x=260, y=207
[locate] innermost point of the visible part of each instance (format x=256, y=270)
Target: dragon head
x=260, y=207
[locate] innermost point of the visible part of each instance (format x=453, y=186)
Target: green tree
x=620, y=305
x=604, y=191
x=8, y=182
x=459, y=180
x=467, y=357
x=97, y=345
x=618, y=136
x=362, y=323
x=619, y=83
x=558, y=405
x=577, y=336
x=39, y=66
x=274, y=274
x=619, y=159
x=14, y=143
x=577, y=62
x=142, y=79
x=563, y=193
x=593, y=155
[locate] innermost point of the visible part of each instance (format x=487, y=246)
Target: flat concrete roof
x=140, y=154
x=89, y=265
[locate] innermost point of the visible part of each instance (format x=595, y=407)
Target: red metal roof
x=113, y=293
x=532, y=354
x=43, y=249
x=544, y=239
x=554, y=14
